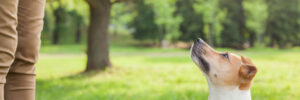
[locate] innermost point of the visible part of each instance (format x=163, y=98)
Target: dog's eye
x=225, y=55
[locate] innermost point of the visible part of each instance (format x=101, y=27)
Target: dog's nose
x=199, y=40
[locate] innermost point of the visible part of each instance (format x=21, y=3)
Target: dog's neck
x=221, y=93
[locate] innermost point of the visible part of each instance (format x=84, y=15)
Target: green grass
x=141, y=73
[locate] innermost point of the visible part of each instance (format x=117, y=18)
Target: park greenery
x=223, y=23
x=142, y=73
x=142, y=47
x=238, y=24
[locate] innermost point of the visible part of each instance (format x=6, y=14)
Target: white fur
x=226, y=93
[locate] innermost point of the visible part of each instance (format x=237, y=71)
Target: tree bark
x=98, y=53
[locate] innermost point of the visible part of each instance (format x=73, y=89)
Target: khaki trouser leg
x=8, y=38
x=20, y=83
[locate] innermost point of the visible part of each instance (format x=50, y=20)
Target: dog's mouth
x=197, y=52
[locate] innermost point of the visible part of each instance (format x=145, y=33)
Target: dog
x=229, y=76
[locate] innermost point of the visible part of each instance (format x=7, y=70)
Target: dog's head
x=223, y=69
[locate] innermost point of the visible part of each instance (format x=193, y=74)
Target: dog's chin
x=198, y=62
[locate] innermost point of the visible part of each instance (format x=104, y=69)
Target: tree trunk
x=211, y=34
x=241, y=21
x=252, y=38
x=98, y=53
x=55, y=37
x=58, y=17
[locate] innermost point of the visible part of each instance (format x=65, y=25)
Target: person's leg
x=20, y=83
x=8, y=38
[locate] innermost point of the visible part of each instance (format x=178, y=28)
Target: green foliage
x=213, y=16
x=192, y=23
x=61, y=24
x=256, y=16
x=283, y=22
x=234, y=25
x=64, y=18
x=144, y=22
x=48, y=26
x=164, y=17
x=121, y=16
x=227, y=23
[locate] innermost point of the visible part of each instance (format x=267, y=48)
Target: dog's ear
x=247, y=72
x=246, y=60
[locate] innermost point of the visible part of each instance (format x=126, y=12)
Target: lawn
x=141, y=73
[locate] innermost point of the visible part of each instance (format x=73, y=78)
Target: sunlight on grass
x=159, y=74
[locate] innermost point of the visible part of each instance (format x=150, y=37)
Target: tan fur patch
x=233, y=71
x=246, y=73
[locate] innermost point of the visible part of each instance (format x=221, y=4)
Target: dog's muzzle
x=197, y=52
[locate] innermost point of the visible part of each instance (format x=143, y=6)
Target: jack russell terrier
x=229, y=76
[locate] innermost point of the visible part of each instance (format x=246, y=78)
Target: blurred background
x=139, y=49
